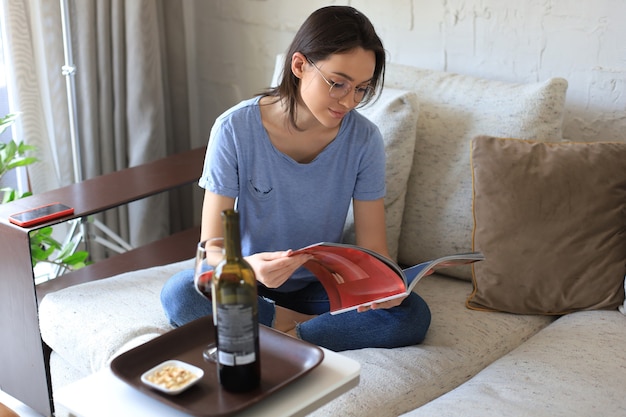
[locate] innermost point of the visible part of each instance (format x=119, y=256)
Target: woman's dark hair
x=327, y=31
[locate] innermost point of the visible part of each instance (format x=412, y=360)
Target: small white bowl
x=194, y=374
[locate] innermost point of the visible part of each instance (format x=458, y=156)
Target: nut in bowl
x=172, y=377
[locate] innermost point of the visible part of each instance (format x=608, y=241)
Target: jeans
x=403, y=325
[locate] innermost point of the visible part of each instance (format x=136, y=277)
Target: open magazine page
x=352, y=276
x=415, y=273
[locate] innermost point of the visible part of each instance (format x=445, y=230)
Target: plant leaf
x=40, y=253
x=67, y=250
x=9, y=195
x=21, y=162
x=43, y=237
x=44, y=231
x=75, y=258
x=23, y=148
x=7, y=121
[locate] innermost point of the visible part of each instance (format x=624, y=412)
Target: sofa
x=537, y=329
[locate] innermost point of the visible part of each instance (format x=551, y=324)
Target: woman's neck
x=304, y=143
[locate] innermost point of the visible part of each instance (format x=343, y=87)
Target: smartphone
x=40, y=215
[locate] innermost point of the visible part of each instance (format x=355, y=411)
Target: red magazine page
x=355, y=276
x=351, y=276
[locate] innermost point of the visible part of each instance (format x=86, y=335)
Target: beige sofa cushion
x=574, y=367
x=550, y=220
x=124, y=311
x=455, y=108
x=459, y=343
x=89, y=324
x=395, y=113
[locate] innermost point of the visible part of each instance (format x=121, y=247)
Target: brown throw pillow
x=550, y=219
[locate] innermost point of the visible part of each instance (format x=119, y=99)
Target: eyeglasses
x=339, y=90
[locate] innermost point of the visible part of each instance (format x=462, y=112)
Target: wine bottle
x=235, y=308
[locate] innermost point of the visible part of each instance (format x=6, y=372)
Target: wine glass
x=209, y=253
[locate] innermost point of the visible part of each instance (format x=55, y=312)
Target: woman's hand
x=385, y=304
x=272, y=269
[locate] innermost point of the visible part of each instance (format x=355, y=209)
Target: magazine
x=354, y=276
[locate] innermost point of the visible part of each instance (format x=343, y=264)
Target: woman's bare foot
x=286, y=320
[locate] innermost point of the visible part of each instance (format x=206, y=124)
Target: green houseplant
x=44, y=247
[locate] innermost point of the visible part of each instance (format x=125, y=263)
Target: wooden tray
x=283, y=360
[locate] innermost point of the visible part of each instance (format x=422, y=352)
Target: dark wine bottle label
x=236, y=334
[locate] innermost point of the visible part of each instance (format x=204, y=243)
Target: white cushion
x=395, y=113
x=574, y=367
x=89, y=324
x=453, y=109
x=459, y=343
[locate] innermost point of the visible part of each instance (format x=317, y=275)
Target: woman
x=293, y=159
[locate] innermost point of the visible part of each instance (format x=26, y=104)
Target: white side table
x=104, y=395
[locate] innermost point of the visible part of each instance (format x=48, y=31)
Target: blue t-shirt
x=284, y=204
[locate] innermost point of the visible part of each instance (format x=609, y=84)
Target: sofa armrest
x=117, y=188
x=121, y=187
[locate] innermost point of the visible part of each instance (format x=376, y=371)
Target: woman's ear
x=298, y=61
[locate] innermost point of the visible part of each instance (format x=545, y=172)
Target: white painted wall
x=509, y=40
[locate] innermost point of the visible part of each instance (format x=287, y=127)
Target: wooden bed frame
x=24, y=357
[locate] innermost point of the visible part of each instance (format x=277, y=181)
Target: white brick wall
x=510, y=40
